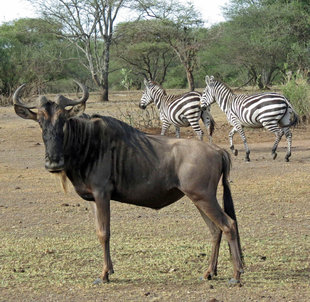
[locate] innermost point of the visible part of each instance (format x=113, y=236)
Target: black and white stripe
x=181, y=111
x=269, y=110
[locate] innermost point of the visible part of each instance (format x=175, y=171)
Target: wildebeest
x=106, y=159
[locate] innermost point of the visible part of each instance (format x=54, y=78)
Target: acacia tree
x=177, y=25
x=89, y=26
x=144, y=53
x=29, y=54
x=266, y=37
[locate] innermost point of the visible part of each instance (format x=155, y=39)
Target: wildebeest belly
x=154, y=198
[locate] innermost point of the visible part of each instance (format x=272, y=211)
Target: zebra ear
x=145, y=82
x=207, y=80
x=211, y=79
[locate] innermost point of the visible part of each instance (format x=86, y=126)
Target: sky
x=16, y=9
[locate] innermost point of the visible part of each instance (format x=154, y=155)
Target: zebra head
x=147, y=96
x=207, y=97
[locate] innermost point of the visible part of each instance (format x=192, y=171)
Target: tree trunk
x=105, y=76
x=190, y=80
x=104, y=94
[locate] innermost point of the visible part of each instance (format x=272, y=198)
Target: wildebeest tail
x=229, y=208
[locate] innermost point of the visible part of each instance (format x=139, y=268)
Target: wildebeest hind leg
x=212, y=209
x=216, y=234
x=102, y=212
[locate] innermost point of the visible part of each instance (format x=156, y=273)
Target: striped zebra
x=178, y=110
x=269, y=110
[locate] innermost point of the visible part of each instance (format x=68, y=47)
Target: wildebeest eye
x=40, y=122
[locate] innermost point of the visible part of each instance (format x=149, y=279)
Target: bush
x=297, y=90
x=5, y=101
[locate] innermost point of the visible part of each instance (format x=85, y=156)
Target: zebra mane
x=225, y=85
x=158, y=85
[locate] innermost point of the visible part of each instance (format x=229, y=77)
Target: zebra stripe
x=269, y=110
x=181, y=111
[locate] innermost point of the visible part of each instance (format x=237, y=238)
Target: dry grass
x=49, y=250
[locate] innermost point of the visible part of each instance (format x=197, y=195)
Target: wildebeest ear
x=25, y=112
x=77, y=110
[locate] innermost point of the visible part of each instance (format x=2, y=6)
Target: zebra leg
x=195, y=125
x=205, y=116
x=243, y=137
x=273, y=127
x=276, y=143
x=177, y=131
x=288, y=135
x=164, y=128
x=231, y=136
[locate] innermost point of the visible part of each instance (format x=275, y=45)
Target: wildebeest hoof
x=209, y=275
x=234, y=282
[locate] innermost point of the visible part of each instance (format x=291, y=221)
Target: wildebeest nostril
x=54, y=166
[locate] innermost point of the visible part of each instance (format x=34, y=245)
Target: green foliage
x=126, y=81
x=29, y=54
x=260, y=41
x=258, y=38
x=297, y=90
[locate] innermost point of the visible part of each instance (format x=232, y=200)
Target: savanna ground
x=49, y=250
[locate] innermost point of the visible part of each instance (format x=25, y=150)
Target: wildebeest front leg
x=102, y=212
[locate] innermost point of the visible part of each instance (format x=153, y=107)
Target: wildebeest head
x=51, y=116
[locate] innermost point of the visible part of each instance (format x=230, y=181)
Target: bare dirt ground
x=49, y=250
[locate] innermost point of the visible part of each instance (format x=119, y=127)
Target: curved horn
x=18, y=102
x=64, y=102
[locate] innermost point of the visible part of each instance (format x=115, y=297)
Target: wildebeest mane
x=89, y=137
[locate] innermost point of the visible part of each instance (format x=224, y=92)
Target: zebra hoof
x=274, y=155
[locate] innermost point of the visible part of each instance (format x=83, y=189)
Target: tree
x=177, y=25
x=29, y=54
x=89, y=26
x=143, y=52
x=265, y=37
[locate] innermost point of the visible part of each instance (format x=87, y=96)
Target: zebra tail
x=212, y=125
x=295, y=120
x=229, y=208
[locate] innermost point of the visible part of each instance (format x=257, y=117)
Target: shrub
x=297, y=90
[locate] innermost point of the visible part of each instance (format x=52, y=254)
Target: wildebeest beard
x=88, y=139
